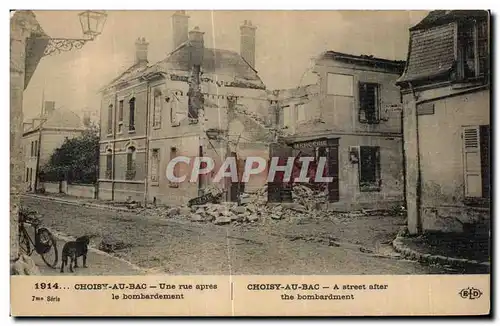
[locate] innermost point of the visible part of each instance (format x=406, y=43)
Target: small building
x=44, y=134
x=348, y=116
x=446, y=101
x=151, y=114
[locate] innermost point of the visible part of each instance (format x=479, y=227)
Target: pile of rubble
x=308, y=204
x=309, y=198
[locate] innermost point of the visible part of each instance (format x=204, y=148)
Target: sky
x=286, y=42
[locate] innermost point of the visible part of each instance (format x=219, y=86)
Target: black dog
x=73, y=250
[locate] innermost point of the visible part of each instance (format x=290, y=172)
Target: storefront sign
x=311, y=144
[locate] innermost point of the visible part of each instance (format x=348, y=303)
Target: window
x=155, y=163
x=109, y=164
x=369, y=168
x=369, y=102
x=31, y=153
x=193, y=105
x=130, y=173
x=157, y=110
x=131, y=117
x=473, y=49
x=110, y=119
x=27, y=174
x=120, y=116
x=31, y=175
x=173, y=154
x=35, y=153
x=301, y=113
x=287, y=122
x=476, y=147
x=340, y=85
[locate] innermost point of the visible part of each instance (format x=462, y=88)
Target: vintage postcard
x=250, y=163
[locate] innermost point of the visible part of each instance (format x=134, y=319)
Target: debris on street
x=309, y=205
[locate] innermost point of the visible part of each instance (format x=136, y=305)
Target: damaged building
x=197, y=101
x=446, y=103
x=350, y=116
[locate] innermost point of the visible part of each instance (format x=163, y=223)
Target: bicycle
x=44, y=244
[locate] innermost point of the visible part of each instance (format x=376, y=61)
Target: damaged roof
x=440, y=17
x=396, y=66
x=215, y=61
x=431, y=51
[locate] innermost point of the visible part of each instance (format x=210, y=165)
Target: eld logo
x=470, y=293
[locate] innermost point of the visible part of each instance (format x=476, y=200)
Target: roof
x=440, y=17
x=215, y=61
x=396, y=66
x=59, y=118
x=431, y=51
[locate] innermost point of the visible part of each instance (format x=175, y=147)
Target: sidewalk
x=99, y=262
x=457, y=250
x=97, y=203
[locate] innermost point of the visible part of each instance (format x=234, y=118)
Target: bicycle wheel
x=24, y=242
x=46, y=246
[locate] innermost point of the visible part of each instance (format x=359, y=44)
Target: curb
x=99, y=252
x=411, y=254
x=76, y=203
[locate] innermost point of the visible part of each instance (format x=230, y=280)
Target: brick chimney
x=247, y=45
x=180, y=27
x=197, y=47
x=49, y=107
x=141, y=50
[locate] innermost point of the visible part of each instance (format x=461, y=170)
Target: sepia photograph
x=250, y=143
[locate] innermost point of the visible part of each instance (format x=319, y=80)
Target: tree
x=76, y=161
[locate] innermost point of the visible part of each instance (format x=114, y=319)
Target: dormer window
x=473, y=49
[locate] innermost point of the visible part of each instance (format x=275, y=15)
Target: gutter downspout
x=146, y=177
x=113, y=155
x=419, y=173
x=403, y=149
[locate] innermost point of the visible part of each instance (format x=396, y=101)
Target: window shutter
x=472, y=161
x=362, y=92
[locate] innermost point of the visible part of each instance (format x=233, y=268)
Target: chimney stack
x=141, y=50
x=247, y=45
x=180, y=27
x=197, y=47
x=48, y=107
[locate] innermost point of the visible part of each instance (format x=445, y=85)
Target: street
x=176, y=247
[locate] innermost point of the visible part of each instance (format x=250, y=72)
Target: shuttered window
x=131, y=158
x=472, y=162
x=476, y=161
x=120, y=116
x=110, y=119
x=369, y=99
x=155, y=163
x=109, y=164
x=131, y=117
x=157, y=109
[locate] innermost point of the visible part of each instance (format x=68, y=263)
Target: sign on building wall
x=425, y=109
